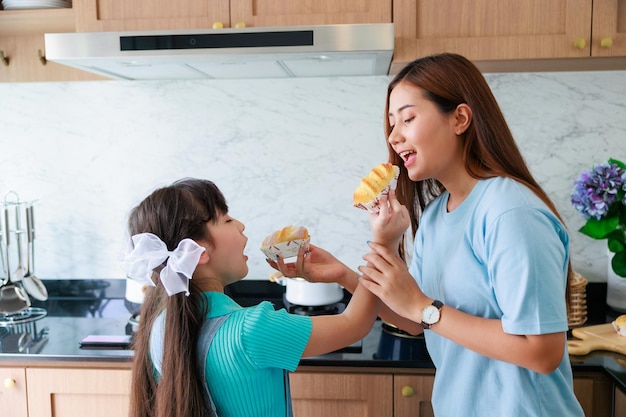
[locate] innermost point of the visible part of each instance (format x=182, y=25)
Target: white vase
x=615, y=289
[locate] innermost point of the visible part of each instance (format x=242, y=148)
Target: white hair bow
x=148, y=252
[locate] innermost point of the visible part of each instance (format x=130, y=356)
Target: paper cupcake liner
x=373, y=206
x=286, y=249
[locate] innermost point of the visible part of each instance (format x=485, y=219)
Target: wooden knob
x=9, y=383
x=240, y=25
x=580, y=43
x=606, y=42
x=407, y=391
x=218, y=25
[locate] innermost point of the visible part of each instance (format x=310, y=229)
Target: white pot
x=303, y=293
x=134, y=291
x=615, y=289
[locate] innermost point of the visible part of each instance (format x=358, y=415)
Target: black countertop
x=78, y=308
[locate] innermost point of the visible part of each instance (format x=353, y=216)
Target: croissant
x=379, y=180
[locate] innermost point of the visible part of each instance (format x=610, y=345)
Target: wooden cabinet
x=351, y=394
x=13, y=401
x=608, y=37
x=594, y=391
x=111, y=15
x=67, y=392
x=297, y=13
x=512, y=34
x=78, y=392
x=120, y=15
x=619, y=407
x=26, y=62
x=337, y=394
x=412, y=395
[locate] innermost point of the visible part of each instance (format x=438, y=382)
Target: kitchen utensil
x=7, y=236
x=304, y=293
x=33, y=285
x=134, y=291
x=396, y=344
x=18, y=275
x=13, y=299
x=598, y=337
x=4, y=279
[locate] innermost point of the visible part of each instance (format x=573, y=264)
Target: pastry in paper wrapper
x=376, y=184
x=286, y=242
x=620, y=325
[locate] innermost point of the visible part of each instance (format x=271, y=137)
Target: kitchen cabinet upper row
x=502, y=35
x=507, y=31
x=115, y=15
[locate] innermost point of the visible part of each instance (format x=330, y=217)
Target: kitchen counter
x=100, y=309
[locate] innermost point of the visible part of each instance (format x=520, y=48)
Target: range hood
x=269, y=52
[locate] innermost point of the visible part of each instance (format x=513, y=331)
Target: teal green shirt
x=244, y=367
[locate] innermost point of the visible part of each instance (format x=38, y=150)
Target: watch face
x=430, y=315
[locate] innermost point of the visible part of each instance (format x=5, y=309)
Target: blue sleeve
x=275, y=338
x=528, y=251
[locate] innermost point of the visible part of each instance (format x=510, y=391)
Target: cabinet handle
x=580, y=43
x=9, y=383
x=4, y=59
x=606, y=42
x=42, y=58
x=408, y=391
x=218, y=25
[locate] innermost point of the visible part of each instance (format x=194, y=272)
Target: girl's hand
x=390, y=223
x=314, y=265
x=387, y=277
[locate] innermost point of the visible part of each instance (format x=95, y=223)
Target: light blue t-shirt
x=501, y=254
x=246, y=359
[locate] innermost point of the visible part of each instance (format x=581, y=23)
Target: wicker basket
x=577, y=314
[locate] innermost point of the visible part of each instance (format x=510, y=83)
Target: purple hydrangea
x=596, y=190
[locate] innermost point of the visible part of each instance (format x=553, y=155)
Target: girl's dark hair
x=489, y=149
x=173, y=213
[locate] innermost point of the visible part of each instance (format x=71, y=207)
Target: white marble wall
x=282, y=151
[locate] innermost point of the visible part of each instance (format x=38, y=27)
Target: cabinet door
x=78, y=392
x=609, y=28
x=594, y=392
x=25, y=63
x=341, y=395
x=320, y=12
x=619, y=409
x=492, y=30
x=412, y=395
x=114, y=15
x=13, y=392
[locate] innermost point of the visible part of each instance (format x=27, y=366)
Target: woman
x=488, y=275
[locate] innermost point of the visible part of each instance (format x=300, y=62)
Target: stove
x=19, y=334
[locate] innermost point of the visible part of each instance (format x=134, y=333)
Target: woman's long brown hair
x=489, y=149
x=172, y=213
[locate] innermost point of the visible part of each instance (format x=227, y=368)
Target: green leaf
x=618, y=263
x=599, y=229
x=616, y=245
x=617, y=162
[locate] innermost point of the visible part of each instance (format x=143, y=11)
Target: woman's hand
x=315, y=265
x=387, y=277
x=390, y=223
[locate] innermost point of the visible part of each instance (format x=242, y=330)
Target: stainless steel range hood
x=270, y=52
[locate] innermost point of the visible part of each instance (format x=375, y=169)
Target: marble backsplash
x=286, y=151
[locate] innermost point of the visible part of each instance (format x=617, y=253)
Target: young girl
x=187, y=247
x=489, y=272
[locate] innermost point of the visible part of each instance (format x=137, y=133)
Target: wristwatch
x=431, y=314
